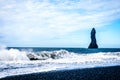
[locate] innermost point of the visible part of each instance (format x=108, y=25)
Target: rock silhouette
x=93, y=43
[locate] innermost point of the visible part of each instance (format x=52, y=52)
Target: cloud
x=29, y=20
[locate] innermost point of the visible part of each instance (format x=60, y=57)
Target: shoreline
x=99, y=73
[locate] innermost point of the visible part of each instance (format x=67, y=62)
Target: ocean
x=27, y=60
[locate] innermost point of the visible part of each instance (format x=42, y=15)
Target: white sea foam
x=15, y=62
x=12, y=55
x=48, y=54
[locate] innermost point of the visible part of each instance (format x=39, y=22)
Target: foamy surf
x=16, y=62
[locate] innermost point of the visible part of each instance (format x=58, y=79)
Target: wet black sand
x=101, y=73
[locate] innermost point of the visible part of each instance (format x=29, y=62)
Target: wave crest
x=16, y=55
x=48, y=54
x=12, y=55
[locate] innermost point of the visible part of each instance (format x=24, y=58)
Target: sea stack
x=93, y=43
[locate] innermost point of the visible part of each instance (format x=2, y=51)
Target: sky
x=59, y=23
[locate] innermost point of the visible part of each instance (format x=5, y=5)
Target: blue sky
x=59, y=23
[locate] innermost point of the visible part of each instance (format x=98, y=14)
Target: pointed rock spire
x=93, y=43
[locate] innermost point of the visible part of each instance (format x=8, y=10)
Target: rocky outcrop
x=93, y=43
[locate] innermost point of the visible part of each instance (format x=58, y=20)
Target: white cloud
x=25, y=20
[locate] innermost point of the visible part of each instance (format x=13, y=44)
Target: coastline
x=100, y=73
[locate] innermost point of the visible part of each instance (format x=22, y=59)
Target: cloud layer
x=25, y=21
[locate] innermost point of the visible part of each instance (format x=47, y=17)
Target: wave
x=17, y=55
x=43, y=55
x=12, y=55
x=16, y=62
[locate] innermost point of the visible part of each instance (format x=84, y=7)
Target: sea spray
x=43, y=55
x=16, y=61
x=12, y=55
x=16, y=55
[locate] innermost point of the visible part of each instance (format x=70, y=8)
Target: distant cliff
x=93, y=43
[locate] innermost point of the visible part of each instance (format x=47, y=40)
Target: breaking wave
x=12, y=55
x=16, y=55
x=43, y=55
x=16, y=62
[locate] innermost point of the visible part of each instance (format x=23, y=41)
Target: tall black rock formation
x=93, y=43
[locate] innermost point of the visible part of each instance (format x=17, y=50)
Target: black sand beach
x=101, y=73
